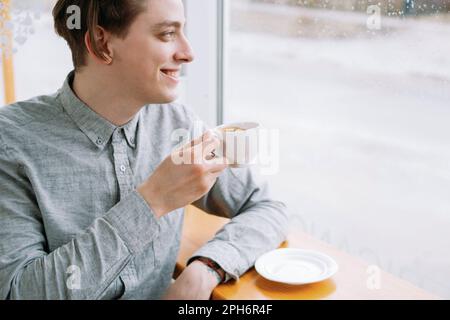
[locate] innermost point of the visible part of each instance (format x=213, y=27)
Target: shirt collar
x=95, y=127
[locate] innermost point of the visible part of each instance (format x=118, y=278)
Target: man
x=91, y=203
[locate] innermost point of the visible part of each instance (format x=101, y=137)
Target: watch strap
x=212, y=265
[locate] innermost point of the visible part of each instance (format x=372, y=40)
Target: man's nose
x=184, y=53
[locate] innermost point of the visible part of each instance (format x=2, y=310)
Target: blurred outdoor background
x=364, y=116
x=360, y=91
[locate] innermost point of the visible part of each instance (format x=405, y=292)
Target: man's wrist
x=212, y=267
x=146, y=192
x=208, y=278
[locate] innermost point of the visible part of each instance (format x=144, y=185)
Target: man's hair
x=115, y=16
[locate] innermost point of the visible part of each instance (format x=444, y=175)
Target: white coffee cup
x=238, y=143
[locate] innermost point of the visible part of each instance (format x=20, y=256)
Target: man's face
x=149, y=59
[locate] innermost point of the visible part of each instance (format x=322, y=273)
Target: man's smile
x=172, y=74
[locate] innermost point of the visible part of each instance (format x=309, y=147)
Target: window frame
x=204, y=85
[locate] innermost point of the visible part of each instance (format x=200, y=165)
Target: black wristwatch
x=212, y=265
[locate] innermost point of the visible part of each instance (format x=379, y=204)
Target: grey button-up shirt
x=72, y=225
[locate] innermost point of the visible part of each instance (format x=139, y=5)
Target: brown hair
x=114, y=16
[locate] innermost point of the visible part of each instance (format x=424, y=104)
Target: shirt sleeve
x=83, y=268
x=258, y=222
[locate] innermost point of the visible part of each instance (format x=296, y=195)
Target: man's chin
x=168, y=98
x=163, y=98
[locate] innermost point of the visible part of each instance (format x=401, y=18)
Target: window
x=41, y=59
x=360, y=94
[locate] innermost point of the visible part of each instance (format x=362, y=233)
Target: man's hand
x=196, y=282
x=175, y=185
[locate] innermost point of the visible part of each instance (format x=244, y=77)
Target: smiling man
x=91, y=203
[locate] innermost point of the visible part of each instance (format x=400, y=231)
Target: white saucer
x=295, y=266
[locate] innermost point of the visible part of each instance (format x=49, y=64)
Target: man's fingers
x=217, y=170
x=204, y=150
x=205, y=136
x=189, y=151
x=214, y=176
x=217, y=164
x=207, y=149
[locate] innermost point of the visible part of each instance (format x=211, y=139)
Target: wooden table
x=350, y=282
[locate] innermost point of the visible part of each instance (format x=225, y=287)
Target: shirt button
x=132, y=140
x=99, y=140
x=123, y=168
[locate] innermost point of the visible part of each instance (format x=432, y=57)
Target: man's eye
x=169, y=34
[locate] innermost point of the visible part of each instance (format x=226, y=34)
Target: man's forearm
x=253, y=232
x=89, y=263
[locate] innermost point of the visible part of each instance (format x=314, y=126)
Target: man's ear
x=98, y=45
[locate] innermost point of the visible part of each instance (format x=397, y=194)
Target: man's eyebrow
x=167, y=23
